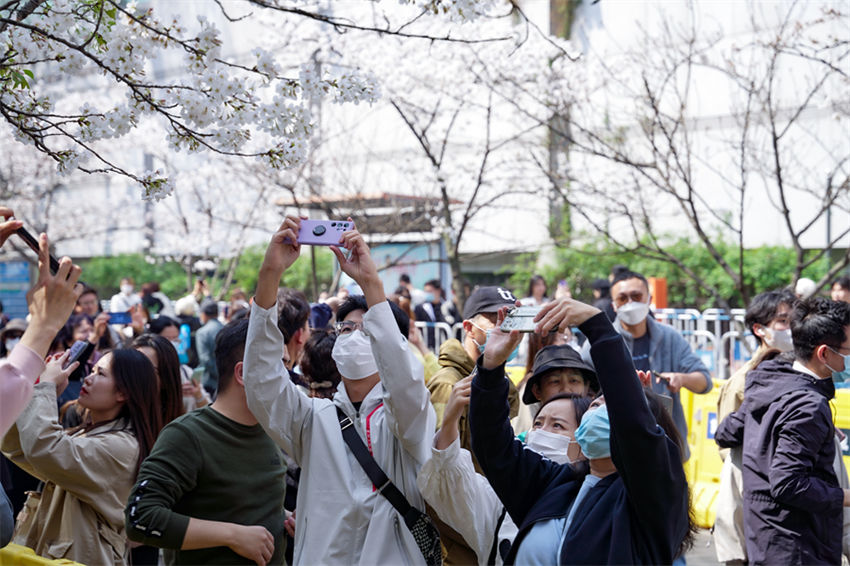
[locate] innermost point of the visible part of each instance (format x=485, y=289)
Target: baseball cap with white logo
x=487, y=300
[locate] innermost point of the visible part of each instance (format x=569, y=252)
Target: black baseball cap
x=557, y=357
x=487, y=300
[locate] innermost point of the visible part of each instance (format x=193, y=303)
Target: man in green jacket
x=212, y=489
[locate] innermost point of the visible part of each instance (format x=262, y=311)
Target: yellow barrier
x=515, y=373
x=841, y=417
x=703, y=468
x=17, y=555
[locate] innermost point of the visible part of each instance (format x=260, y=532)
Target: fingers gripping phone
x=323, y=232
x=520, y=319
x=33, y=244
x=75, y=352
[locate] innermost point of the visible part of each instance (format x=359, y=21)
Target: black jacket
x=637, y=515
x=792, y=499
x=423, y=315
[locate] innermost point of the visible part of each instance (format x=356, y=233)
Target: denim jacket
x=668, y=352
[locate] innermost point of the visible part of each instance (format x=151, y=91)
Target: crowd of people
x=337, y=432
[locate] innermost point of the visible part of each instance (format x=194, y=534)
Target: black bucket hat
x=557, y=357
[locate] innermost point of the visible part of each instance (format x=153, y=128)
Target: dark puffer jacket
x=792, y=500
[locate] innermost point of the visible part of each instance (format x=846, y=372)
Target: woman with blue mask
x=633, y=506
x=464, y=500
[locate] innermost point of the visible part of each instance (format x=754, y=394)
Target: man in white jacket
x=341, y=518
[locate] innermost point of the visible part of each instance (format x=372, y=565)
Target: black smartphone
x=76, y=352
x=33, y=244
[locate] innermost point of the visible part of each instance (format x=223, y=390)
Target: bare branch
x=340, y=25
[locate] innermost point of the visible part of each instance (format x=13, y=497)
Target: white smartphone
x=520, y=319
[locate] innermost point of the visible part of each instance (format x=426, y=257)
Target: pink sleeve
x=18, y=373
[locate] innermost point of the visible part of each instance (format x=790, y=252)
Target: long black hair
x=666, y=422
x=533, y=281
x=168, y=370
x=135, y=378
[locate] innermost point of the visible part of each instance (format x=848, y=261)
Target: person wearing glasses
x=655, y=347
x=341, y=518
x=793, y=502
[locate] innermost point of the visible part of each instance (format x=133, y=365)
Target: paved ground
x=702, y=553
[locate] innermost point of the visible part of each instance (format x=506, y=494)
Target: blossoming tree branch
x=255, y=109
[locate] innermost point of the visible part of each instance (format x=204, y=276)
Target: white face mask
x=633, y=312
x=779, y=339
x=126, y=289
x=353, y=355
x=11, y=342
x=553, y=446
x=176, y=344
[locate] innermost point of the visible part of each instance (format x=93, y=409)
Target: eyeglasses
x=346, y=326
x=838, y=348
x=635, y=296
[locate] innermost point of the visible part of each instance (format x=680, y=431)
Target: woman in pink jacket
x=51, y=301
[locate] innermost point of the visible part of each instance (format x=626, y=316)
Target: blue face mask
x=512, y=355
x=843, y=375
x=429, y=297
x=594, y=434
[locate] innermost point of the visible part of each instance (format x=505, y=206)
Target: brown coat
x=88, y=476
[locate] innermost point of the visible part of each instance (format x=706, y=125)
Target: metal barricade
x=716, y=335
x=442, y=332
x=739, y=347
x=704, y=344
x=457, y=331
x=683, y=320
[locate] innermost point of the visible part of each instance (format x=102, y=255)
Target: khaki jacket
x=730, y=541
x=88, y=476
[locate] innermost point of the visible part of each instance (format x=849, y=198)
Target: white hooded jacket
x=340, y=517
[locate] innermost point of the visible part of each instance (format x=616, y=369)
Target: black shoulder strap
x=379, y=479
x=491, y=560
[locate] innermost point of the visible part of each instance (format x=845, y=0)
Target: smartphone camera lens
x=319, y=230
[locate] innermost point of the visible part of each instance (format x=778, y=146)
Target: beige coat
x=80, y=513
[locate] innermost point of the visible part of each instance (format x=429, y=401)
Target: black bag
x=423, y=530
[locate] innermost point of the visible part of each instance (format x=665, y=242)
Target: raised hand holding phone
x=100, y=323
x=323, y=232
x=50, y=300
x=360, y=266
x=499, y=344
x=560, y=314
x=34, y=246
x=282, y=251
x=57, y=369
x=13, y=226
x=10, y=225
